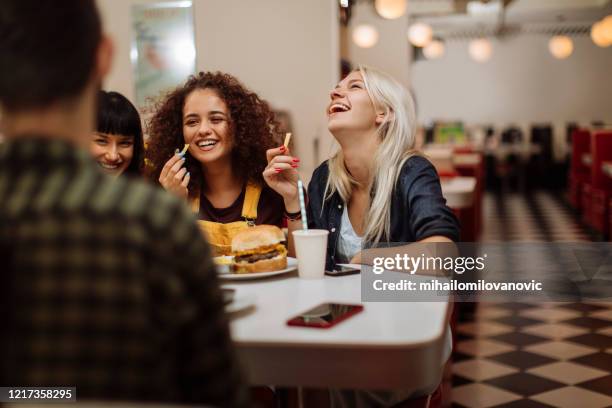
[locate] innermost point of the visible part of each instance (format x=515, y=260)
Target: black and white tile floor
x=533, y=355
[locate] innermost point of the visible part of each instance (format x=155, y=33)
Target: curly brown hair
x=252, y=125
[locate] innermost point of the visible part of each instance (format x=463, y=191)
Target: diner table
x=501, y=151
x=459, y=191
x=389, y=345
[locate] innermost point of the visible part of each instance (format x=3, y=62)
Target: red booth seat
x=579, y=174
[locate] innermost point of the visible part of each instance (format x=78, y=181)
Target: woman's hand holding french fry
x=174, y=177
x=282, y=176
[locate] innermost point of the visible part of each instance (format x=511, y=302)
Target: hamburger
x=259, y=249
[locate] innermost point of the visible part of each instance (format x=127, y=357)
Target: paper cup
x=311, y=248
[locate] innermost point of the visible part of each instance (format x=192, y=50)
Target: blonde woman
x=376, y=188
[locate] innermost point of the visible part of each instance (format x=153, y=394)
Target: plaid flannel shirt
x=107, y=285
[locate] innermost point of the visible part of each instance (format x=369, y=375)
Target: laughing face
x=206, y=126
x=113, y=153
x=350, y=106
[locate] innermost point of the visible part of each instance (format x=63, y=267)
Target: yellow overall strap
x=251, y=200
x=195, y=205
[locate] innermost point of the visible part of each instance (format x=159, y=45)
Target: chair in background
x=541, y=161
x=511, y=168
x=601, y=183
x=580, y=173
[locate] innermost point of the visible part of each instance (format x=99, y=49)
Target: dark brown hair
x=251, y=123
x=47, y=50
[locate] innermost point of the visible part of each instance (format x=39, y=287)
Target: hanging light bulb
x=598, y=36
x=481, y=49
x=420, y=34
x=606, y=23
x=561, y=46
x=434, y=50
x=390, y=9
x=365, y=36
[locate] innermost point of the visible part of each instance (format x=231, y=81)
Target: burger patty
x=256, y=257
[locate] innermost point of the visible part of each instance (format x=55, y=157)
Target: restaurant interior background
x=513, y=100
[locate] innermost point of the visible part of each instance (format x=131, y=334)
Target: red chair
x=610, y=221
x=601, y=184
x=586, y=193
x=473, y=215
x=579, y=173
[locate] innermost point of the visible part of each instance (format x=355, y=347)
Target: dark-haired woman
x=117, y=145
x=227, y=129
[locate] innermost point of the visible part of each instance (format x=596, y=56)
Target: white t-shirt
x=349, y=243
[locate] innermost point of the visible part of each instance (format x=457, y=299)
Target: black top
x=109, y=285
x=270, y=209
x=418, y=209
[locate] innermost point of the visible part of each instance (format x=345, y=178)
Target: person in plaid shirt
x=107, y=284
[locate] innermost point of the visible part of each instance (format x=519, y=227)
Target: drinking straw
x=300, y=186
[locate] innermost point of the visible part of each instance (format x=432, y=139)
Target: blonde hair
x=397, y=139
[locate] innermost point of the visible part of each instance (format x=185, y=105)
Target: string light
x=365, y=36
x=561, y=46
x=390, y=9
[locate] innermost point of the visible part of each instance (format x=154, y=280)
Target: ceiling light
x=561, y=46
x=390, y=9
x=481, y=49
x=598, y=36
x=420, y=34
x=434, y=50
x=606, y=23
x=365, y=36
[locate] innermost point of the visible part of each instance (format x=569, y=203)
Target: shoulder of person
x=138, y=201
x=416, y=163
x=416, y=167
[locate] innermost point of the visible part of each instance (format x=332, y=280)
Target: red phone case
x=299, y=321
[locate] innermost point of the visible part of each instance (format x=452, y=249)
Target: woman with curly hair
x=227, y=129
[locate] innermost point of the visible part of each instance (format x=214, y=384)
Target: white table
x=467, y=159
x=502, y=150
x=387, y=346
x=459, y=191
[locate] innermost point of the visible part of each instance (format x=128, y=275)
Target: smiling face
x=206, y=126
x=350, y=107
x=112, y=152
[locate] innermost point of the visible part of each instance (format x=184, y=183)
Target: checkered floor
x=533, y=355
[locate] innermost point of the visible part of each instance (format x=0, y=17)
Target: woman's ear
x=382, y=116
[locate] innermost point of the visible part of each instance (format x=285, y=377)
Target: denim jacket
x=418, y=209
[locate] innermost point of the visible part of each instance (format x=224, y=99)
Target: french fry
x=184, y=150
x=287, y=139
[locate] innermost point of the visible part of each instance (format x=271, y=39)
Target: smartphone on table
x=325, y=315
x=342, y=270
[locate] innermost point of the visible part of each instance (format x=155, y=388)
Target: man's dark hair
x=47, y=50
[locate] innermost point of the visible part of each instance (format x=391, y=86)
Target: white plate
x=240, y=302
x=222, y=263
x=291, y=266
